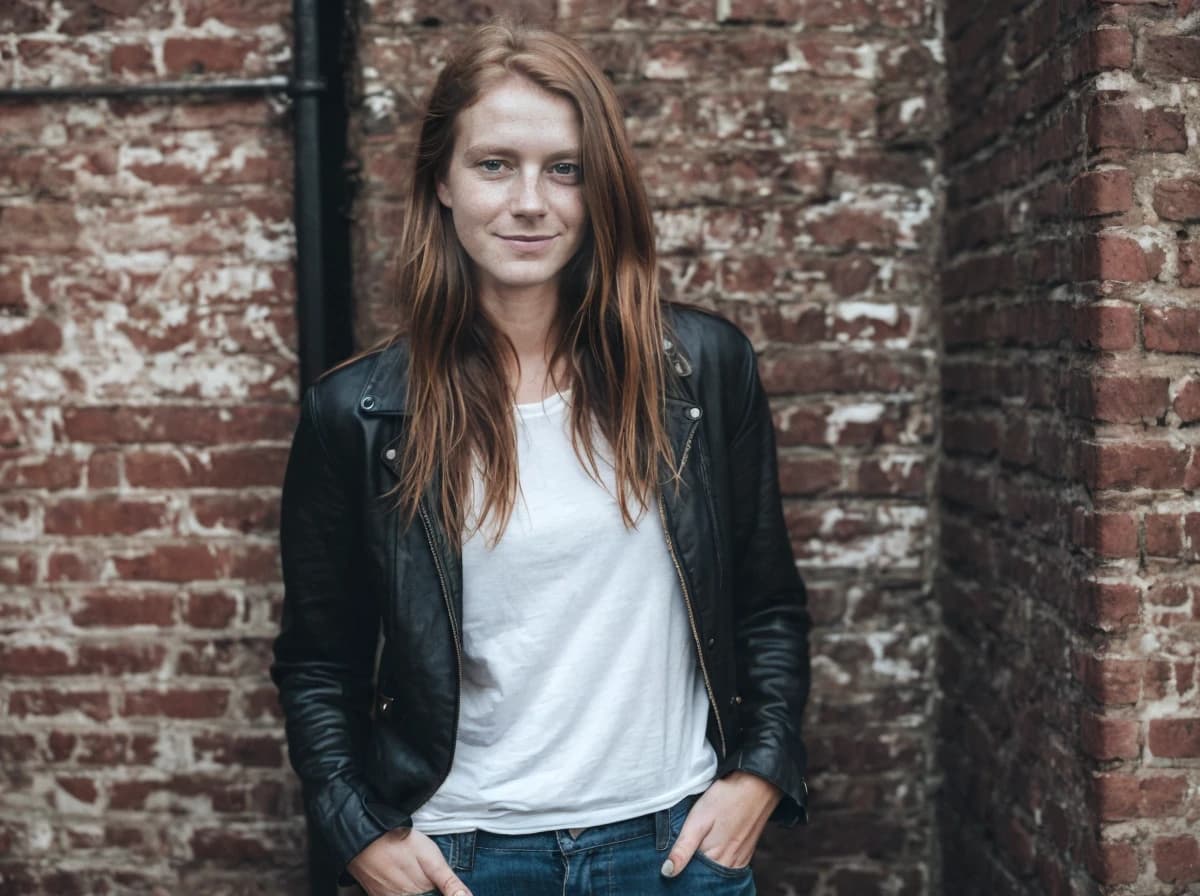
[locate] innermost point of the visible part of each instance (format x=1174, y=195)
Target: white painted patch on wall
x=53, y=134
x=841, y=416
x=888, y=313
x=895, y=669
x=381, y=104
x=823, y=666
x=904, y=463
x=791, y=66
x=900, y=547
x=41, y=835
x=936, y=47
x=867, y=56
x=911, y=108
x=137, y=262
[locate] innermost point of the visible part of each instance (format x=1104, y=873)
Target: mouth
x=529, y=242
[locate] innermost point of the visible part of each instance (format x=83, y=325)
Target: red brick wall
x=790, y=153
x=148, y=387
x=1069, y=527
x=147, y=356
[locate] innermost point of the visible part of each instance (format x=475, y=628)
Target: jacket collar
x=386, y=388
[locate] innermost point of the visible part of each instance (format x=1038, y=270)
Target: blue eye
x=566, y=169
x=492, y=166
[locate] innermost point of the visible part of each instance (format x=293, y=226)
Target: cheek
x=476, y=203
x=571, y=207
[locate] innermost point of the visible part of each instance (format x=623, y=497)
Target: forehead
x=515, y=110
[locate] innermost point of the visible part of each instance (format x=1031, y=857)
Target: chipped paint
x=843, y=415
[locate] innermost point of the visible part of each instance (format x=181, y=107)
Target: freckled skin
x=515, y=172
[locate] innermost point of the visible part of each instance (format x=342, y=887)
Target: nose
x=527, y=196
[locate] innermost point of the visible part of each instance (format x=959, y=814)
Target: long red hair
x=609, y=327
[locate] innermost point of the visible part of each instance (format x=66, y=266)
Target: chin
x=527, y=279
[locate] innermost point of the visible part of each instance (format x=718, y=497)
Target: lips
x=528, y=244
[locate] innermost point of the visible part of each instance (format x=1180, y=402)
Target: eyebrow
x=483, y=150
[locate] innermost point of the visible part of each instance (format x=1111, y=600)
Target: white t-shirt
x=581, y=700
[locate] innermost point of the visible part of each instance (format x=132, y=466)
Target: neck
x=528, y=319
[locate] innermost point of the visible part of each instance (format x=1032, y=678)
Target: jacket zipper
x=706, y=479
x=454, y=635
x=687, y=447
x=687, y=600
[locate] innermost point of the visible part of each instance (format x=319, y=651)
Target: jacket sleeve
x=771, y=615
x=324, y=653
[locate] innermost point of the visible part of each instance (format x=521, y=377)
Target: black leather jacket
x=368, y=660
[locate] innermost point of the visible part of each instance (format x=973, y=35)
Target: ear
x=443, y=193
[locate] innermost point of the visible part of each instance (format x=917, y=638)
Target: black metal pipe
x=310, y=286
x=235, y=86
x=310, y=266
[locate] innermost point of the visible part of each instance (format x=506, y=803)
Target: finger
x=693, y=831
x=443, y=876
x=450, y=885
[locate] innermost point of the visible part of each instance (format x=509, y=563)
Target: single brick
x=1172, y=56
x=116, y=608
x=1110, y=48
x=1111, y=681
x=1174, y=738
x=1102, y=192
x=1114, y=862
x=1171, y=329
x=1178, y=199
x=1111, y=256
x=131, y=58
x=210, y=609
x=104, y=515
x=1177, y=859
x=1120, y=399
x=1164, y=535
x=1113, y=124
x=39, y=334
x=1104, y=327
x=1106, y=739
x=1112, y=605
x=1126, y=465
x=1108, y=534
x=1189, y=263
x=177, y=703
x=193, y=55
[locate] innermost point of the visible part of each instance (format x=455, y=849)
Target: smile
x=528, y=243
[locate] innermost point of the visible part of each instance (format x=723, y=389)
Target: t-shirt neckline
x=548, y=405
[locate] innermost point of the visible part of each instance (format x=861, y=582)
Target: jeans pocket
x=724, y=870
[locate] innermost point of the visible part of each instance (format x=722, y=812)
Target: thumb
x=684, y=848
x=448, y=883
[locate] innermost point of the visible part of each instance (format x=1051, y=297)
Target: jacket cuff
x=349, y=821
x=792, y=810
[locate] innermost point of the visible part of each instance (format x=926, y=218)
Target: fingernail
x=460, y=893
x=668, y=868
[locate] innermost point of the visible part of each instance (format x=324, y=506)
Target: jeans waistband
x=460, y=848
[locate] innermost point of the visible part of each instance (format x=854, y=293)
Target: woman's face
x=514, y=188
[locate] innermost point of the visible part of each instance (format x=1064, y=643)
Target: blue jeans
x=618, y=859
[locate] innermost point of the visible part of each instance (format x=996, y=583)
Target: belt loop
x=662, y=829
x=464, y=852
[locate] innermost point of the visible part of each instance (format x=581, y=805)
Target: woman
x=542, y=628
